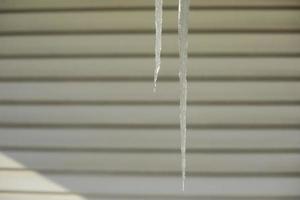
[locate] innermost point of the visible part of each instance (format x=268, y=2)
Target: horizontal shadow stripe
x=150, y=196
x=123, y=55
x=152, y=126
x=147, y=103
x=156, y=173
x=150, y=79
x=149, y=31
x=4, y=149
x=144, y=8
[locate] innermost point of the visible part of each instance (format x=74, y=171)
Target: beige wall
x=79, y=120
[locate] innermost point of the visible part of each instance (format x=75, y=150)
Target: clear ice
x=158, y=31
x=183, y=12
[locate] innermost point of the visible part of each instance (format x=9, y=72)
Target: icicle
x=158, y=31
x=183, y=11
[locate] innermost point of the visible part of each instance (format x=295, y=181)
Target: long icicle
x=183, y=12
x=158, y=31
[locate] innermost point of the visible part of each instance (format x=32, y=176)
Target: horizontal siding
x=79, y=120
x=155, y=140
x=124, y=185
x=205, y=164
x=148, y=115
x=57, y=4
x=106, y=68
x=141, y=44
x=122, y=92
x=35, y=196
x=89, y=21
x=53, y=196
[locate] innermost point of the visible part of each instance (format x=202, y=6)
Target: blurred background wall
x=79, y=120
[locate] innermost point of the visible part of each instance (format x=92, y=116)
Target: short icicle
x=183, y=12
x=158, y=32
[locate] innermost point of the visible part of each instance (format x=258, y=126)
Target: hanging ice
x=183, y=11
x=158, y=31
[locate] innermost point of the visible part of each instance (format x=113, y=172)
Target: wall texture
x=79, y=120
